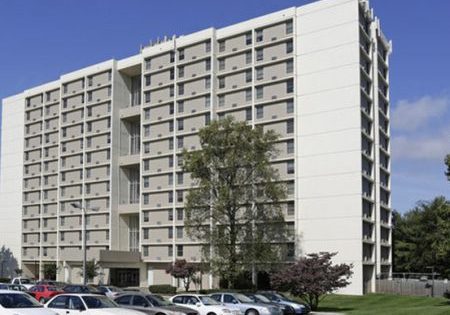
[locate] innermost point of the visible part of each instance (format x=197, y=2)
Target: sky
x=40, y=40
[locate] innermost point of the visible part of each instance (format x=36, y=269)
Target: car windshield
x=26, y=281
x=16, y=300
x=115, y=289
x=280, y=296
x=206, y=300
x=242, y=298
x=158, y=301
x=262, y=298
x=92, y=288
x=93, y=302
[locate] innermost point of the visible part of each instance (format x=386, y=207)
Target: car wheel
x=42, y=300
x=251, y=312
x=211, y=313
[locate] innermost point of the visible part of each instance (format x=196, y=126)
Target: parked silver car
x=151, y=304
x=245, y=304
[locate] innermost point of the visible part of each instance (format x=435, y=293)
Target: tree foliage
x=422, y=238
x=235, y=207
x=92, y=268
x=447, y=164
x=50, y=271
x=311, y=277
x=183, y=270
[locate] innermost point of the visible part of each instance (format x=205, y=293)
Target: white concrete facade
x=340, y=119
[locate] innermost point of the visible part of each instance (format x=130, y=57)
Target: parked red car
x=43, y=293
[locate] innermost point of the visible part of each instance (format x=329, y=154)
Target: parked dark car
x=79, y=288
x=151, y=304
x=281, y=299
x=261, y=299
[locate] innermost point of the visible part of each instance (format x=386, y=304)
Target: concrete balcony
x=130, y=112
x=128, y=160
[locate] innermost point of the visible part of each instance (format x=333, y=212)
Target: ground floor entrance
x=124, y=277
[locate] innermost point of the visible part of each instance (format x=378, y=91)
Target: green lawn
x=385, y=304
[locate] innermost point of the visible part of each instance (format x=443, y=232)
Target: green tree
x=235, y=209
x=422, y=238
x=92, y=268
x=50, y=271
x=447, y=163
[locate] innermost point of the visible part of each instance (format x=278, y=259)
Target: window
x=180, y=89
x=170, y=233
x=170, y=179
x=181, y=54
x=148, y=64
x=248, y=114
x=259, y=112
x=221, y=83
x=221, y=46
x=180, y=123
x=170, y=197
x=289, y=47
x=259, y=36
x=147, y=147
x=248, y=38
x=146, y=216
x=146, y=199
x=221, y=100
x=179, y=250
x=171, y=91
x=259, y=54
x=147, y=113
x=180, y=178
x=172, y=56
x=147, y=131
x=290, y=146
x=64, y=106
x=208, y=64
x=171, y=126
x=289, y=27
x=290, y=167
x=207, y=101
x=181, y=72
x=248, y=95
x=290, y=188
x=207, y=119
x=259, y=92
x=171, y=109
x=169, y=215
x=171, y=143
x=148, y=80
x=289, y=66
x=259, y=73
x=179, y=232
x=147, y=97
x=170, y=251
x=221, y=64
x=290, y=126
x=146, y=182
x=170, y=161
x=290, y=86
x=180, y=214
x=88, y=173
x=88, y=188
x=248, y=76
x=180, y=143
x=179, y=196
x=248, y=57
x=145, y=234
x=171, y=74
x=207, y=83
x=89, y=95
x=180, y=160
x=290, y=106
x=208, y=46
x=146, y=165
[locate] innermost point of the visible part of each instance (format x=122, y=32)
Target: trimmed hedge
x=162, y=289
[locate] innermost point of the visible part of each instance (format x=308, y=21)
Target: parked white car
x=20, y=303
x=110, y=290
x=203, y=304
x=86, y=304
x=27, y=283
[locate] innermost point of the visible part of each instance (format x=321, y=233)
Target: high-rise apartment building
x=109, y=137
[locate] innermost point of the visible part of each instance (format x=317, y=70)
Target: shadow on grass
x=335, y=309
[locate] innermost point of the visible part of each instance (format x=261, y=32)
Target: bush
x=447, y=294
x=162, y=289
x=5, y=280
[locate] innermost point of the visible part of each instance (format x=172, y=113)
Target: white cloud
x=422, y=147
x=412, y=115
